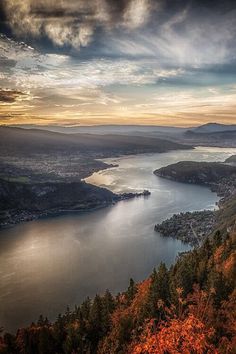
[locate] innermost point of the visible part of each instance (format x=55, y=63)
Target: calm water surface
x=50, y=263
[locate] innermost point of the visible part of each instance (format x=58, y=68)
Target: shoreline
x=32, y=216
x=109, y=163
x=194, y=227
x=190, y=227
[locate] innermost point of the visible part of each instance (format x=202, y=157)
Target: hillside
x=216, y=138
x=189, y=227
x=108, y=129
x=38, y=156
x=231, y=160
x=214, y=128
x=31, y=141
x=220, y=177
x=195, y=227
x=204, y=173
x=20, y=201
x=23, y=201
x=41, y=171
x=189, y=308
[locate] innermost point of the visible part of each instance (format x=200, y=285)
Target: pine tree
x=132, y=289
x=159, y=291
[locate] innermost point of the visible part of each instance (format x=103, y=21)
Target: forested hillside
x=21, y=142
x=189, y=308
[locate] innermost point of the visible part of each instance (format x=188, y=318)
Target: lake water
x=48, y=264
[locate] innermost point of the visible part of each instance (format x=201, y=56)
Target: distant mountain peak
x=213, y=128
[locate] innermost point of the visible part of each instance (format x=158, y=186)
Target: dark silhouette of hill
x=18, y=140
x=213, y=128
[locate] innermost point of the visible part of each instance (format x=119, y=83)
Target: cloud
x=185, y=39
x=63, y=25
x=127, y=59
x=137, y=13
x=33, y=70
x=65, y=34
x=186, y=33
x=73, y=23
x=8, y=96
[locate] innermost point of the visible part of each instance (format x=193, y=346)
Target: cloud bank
x=112, y=61
x=74, y=22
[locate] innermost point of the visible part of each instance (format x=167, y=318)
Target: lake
x=50, y=263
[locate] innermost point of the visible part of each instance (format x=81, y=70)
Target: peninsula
x=220, y=177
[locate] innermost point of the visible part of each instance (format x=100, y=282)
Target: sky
x=88, y=62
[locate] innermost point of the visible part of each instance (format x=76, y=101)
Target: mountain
x=220, y=138
x=211, y=134
x=41, y=171
x=132, y=129
x=107, y=129
x=213, y=128
x=18, y=140
x=231, y=160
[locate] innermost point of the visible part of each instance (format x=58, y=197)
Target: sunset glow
x=117, y=62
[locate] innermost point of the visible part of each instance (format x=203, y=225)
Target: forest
x=189, y=308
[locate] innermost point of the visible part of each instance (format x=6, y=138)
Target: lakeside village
x=194, y=227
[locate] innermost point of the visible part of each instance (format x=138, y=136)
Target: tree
x=132, y=289
x=176, y=337
x=159, y=290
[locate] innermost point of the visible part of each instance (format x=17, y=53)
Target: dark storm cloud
x=11, y=96
x=73, y=23
x=2, y=13
x=116, y=8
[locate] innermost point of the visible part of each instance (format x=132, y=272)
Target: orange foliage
x=200, y=304
x=123, y=315
x=227, y=315
x=178, y=337
x=140, y=297
x=136, y=305
x=229, y=266
x=217, y=258
x=187, y=332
